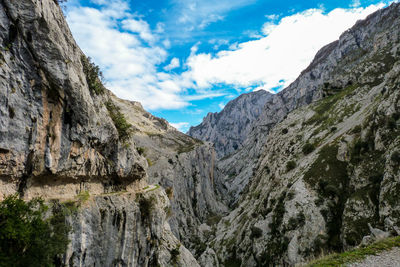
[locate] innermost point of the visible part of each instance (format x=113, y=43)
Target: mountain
x=292, y=175
x=322, y=161
x=67, y=139
x=228, y=129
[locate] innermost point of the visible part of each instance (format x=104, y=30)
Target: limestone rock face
x=129, y=236
x=183, y=166
x=229, y=128
x=321, y=163
x=58, y=141
x=51, y=124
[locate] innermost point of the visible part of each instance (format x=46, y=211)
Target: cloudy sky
x=184, y=58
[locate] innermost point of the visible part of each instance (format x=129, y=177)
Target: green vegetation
x=149, y=162
x=255, y=232
x=170, y=192
x=278, y=242
x=326, y=115
x=308, y=148
x=93, y=75
x=27, y=238
x=175, y=254
x=146, y=206
x=185, y=148
x=123, y=127
x=213, y=219
x=357, y=254
x=329, y=177
x=296, y=222
x=233, y=261
x=83, y=196
x=290, y=165
x=140, y=150
x=395, y=157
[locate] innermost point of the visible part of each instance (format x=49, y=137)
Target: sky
x=184, y=58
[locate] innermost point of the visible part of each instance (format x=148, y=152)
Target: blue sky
x=184, y=58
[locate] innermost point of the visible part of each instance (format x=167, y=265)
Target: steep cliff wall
x=361, y=55
x=184, y=166
x=229, y=128
x=51, y=124
x=63, y=137
x=313, y=181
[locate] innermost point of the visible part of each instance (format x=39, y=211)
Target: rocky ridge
x=311, y=177
x=229, y=128
x=67, y=139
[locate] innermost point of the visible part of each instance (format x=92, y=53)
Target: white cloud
x=129, y=60
x=197, y=14
x=181, y=126
x=175, y=63
x=127, y=49
x=272, y=17
x=355, y=3
x=221, y=105
x=139, y=26
x=278, y=58
x=217, y=43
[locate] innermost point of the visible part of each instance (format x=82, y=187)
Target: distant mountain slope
x=228, y=129
x=310, y=178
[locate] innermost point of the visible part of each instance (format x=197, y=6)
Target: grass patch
x=356, y=254
x=83, y=196
x=213, y=219
x=324, y=109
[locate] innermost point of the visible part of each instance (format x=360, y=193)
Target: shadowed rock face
x=228, y=129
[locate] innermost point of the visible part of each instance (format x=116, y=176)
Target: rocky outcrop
x=65, y=138
x=311, y=177
x=359, y=56
x=229, y=128
x=183, y=166
x=132, y=234
x=51, y=124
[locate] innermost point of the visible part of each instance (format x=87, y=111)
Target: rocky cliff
x=67, y=139
x=184, y=166
x=229, y=128
x=310, y=177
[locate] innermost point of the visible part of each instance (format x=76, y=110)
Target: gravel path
x=389, y=258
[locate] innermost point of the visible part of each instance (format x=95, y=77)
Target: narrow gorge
x=271, y=180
